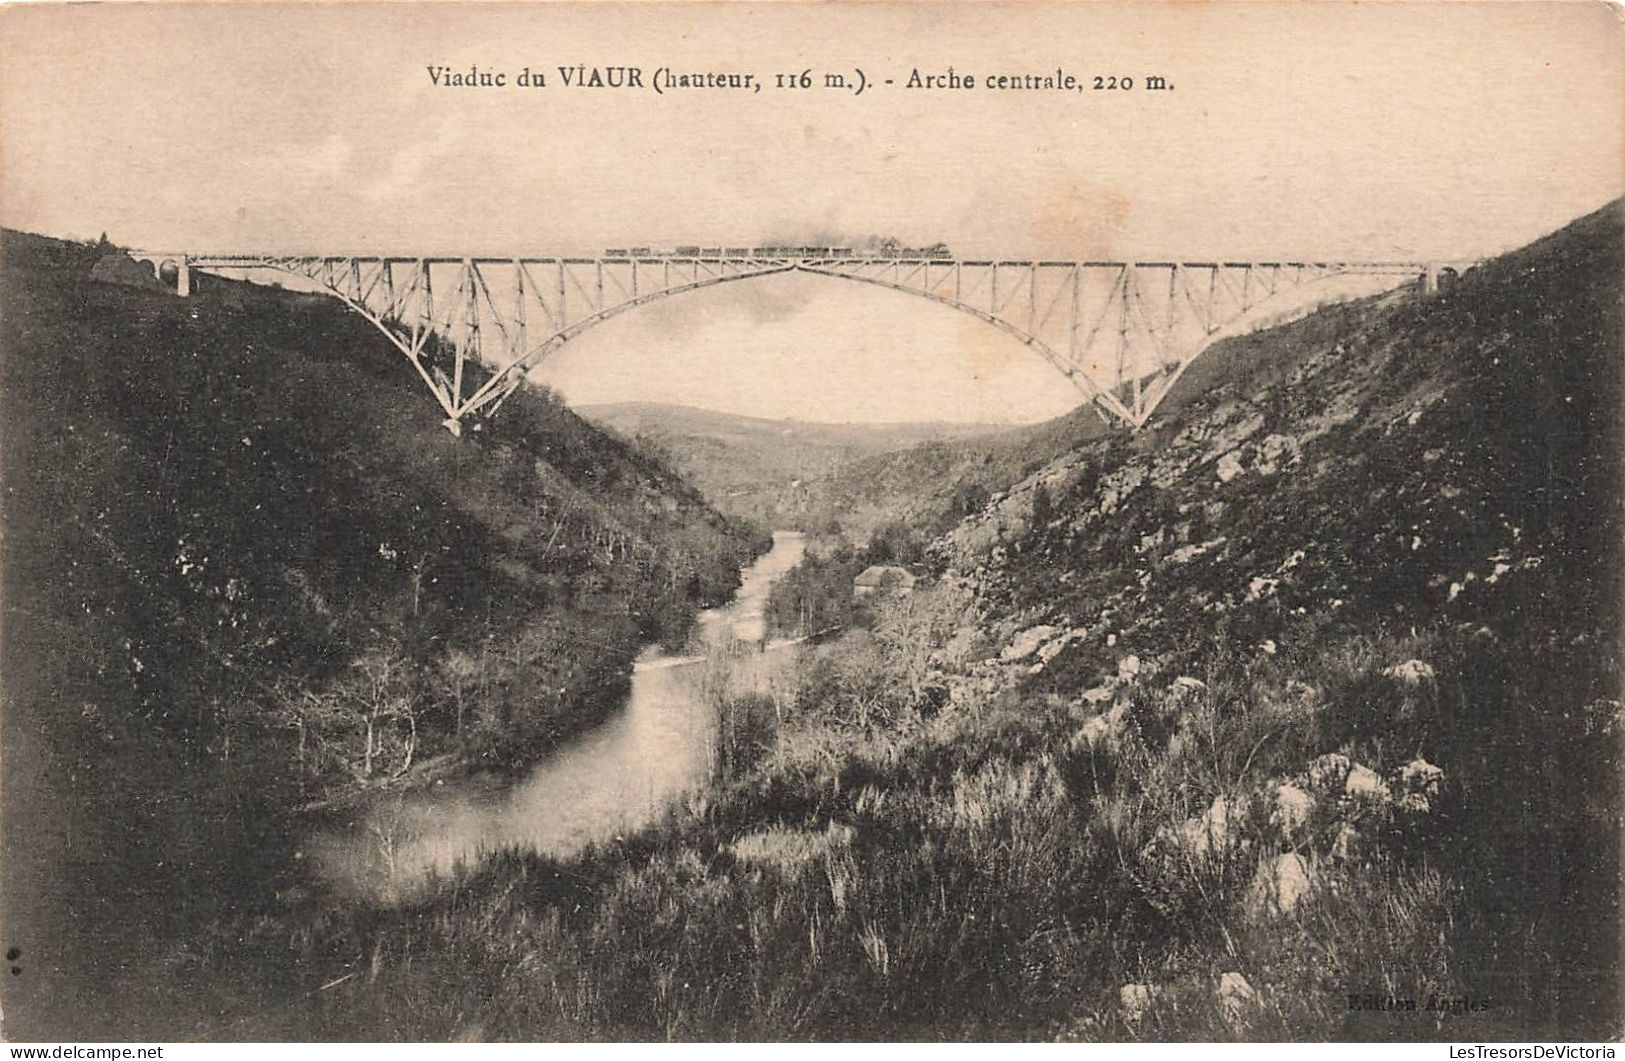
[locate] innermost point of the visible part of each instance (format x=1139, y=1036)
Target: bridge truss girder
x=1121, y=332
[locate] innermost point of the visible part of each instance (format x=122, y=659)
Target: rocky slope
x=1443, y=461
x=1395, y=540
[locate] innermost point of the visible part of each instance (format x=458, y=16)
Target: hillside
x=246, y=571
x=757, y=468
x=1396, y=457
x=1294, y=717
x=935, y=483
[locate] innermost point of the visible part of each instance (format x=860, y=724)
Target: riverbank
x=607, y=780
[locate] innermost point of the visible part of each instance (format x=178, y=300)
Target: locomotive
x=886, y=249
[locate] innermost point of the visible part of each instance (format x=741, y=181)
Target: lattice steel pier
x=1121, y=332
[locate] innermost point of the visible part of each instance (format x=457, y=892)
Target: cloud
x=401, y=179
x=309, y=163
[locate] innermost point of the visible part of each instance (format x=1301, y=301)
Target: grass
x=987, y=876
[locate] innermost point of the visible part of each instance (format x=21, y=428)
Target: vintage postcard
x=1089, y=522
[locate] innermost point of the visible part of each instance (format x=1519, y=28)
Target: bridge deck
x=1120, y=331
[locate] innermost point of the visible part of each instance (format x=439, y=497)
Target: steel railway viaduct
x=1121, y=332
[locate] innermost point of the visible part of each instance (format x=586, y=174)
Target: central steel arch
x=1120, y=332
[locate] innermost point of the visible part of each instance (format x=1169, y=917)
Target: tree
x=912, y=627
x=459, y=677
x=1043, y=512
x=969, y=499
x=364, y=724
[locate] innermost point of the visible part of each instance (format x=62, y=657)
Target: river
x=615, y=778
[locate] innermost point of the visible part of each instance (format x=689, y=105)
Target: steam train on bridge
x=885, y=249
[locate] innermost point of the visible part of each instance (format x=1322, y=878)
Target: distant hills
x=757, y=467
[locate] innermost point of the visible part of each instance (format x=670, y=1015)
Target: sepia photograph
x=929, y=522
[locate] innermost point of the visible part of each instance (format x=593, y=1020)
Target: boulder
x=1056, y=645
x=1103, y=729
x=1363, y=783
x=1293, y=807
x=1228, y=467
x=1421, y=774
x=1236, y=432
x=1026, y=643
x=1412, y=674
x=1301, y=696
x=1418, y=782
x=1094, y=731
x=1134, y=1001
x=1236, y=997
x=1261, y=586
x=1128, y=668
x=1211, y=833
x=1276, y=452
x=1186, y=553
x=1116, y=487
x=1327, y=772
x=1279, y=886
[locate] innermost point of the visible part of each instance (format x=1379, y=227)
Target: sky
x=1377, y=130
